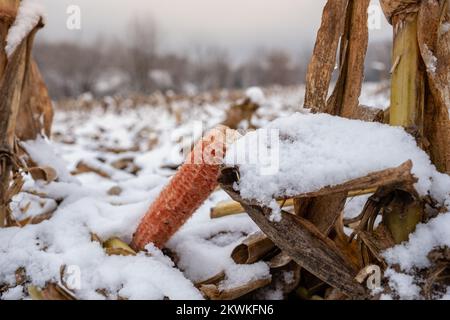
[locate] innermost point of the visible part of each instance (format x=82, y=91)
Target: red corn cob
x=185, y=193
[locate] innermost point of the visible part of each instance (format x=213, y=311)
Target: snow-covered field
x=112, y=158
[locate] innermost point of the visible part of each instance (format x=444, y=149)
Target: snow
x=153, y=137
x=445, y=27
x=427, y=237
x=43, y=154
x=319, y=150
x=404, y=285
x=204, y=246
x=354, y=206
x=28, y=16
x=25, y=205
x=256, y=95
x=15, y=293
x=430, y=60
x=65, y=240
x=242, y=274
x=82, y=205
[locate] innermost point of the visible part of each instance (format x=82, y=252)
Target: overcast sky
x=238, y=25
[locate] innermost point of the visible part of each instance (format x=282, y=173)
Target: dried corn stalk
x=421, y=62
x=420, y=94
x=25, y=107
x=434, y=43
x=323, y=61
x=345, y=98
x=344, y=25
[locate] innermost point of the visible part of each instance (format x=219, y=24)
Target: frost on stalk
x=445, y=28
x=430, y=60
x=28, y=16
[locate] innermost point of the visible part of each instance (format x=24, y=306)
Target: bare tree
x=144, y=39
x=279, y=67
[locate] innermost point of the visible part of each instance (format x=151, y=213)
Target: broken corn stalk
x=186, y=192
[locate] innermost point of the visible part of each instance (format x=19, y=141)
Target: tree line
x=139, y=65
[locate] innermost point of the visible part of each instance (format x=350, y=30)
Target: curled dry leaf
x=115, y=246
x=115, y=191
x=256, y=247
x=36, y=219
x=50, y=292
x=83, y=167
x=47, y=174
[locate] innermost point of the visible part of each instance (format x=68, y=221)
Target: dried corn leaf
x=322, y=211
x=397, y=176
x=301, y=240
x=377, y=242
x=306, y=245
x=47, y=174
x=36, y=111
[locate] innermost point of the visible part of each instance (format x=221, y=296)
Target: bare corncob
x=188, y=189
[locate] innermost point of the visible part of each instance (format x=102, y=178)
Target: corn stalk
x=9, y=104
x=434, y=43
x=25, y=106
x=410, y=103
x=407, y=86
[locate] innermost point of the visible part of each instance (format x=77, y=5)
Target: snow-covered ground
x=112, y=158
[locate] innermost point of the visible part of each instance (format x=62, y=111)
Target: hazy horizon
x=238, y=26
